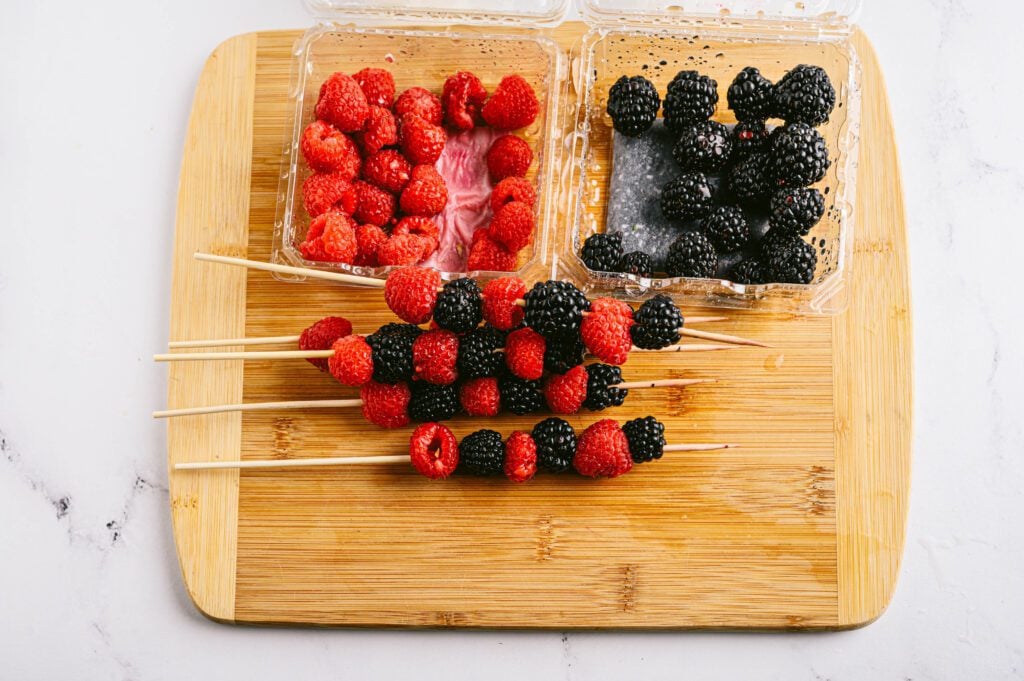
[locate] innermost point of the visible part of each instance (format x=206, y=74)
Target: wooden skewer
x=662, y=383
x=289, y=269
x=721, y=337
x=690, y=347
x=216, y=342
x=243, y=354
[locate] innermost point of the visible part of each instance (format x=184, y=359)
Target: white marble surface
x=94, y=99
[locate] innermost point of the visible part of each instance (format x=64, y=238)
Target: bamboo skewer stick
x=243, y=354
x=289, y=269
x=217, y=342
x=721, y=337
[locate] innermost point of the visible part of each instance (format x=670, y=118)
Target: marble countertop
x=95, y=102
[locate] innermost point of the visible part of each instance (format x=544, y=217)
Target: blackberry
x=799, y=156
x=749, y=138
x=690, y=99
x=646, y=438
x=599, y=395
x=564, y=355
x=430, y=402
x=793, y=262
x=795, y=211
x=656, y=323
x=772, y=239
x=391, y=347
x=705, y=146
x=519, y=396
x=554, y=309
x=688, y=196
x=805, y=95
x=459, y=306
x=727, y=228
x=556, y=444
x=750, y=180
x=633, y=105
x=691, y=255
x=637, y=263
x=477, y=357
x=748, y=272
x=602, y=252
x=750, y=96
x=482, y=453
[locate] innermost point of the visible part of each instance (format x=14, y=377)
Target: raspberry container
x=421, y=46
x=656, y=39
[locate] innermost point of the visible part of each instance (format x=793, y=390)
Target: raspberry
x=520, y=397
x=425, y=194
x=605, y=331
x=509, y=156
x=603, y=451
x=458, y=306
x=368, y=240
x=434, y=451
x=566, y=392
x=323, y=191
x=321, y=336
x=614, y=306
x=513, y=105
x=387, y=169
x=420, y=226
x=381, y=131
x=477, y=356
x=487, y=255
x=512, y=189
x=327, y=149
x=512, y=226
x=342, y=103
x=421, y=141
x=352, y=361
x=556, y=444
x=377, y=85
x=524, y=353
x=313, y=249
x=480, y=396
x=482, y=453
x=339, y=237
x=385, y=404
x=432, y=402
x=500, y=296
x=462, y=96
x=420, y=102
x=404, y=249
x=433, y=356
x=411, y=293
x=376, y=206
x=520, y=457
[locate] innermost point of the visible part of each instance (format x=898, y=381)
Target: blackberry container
x=656, y=39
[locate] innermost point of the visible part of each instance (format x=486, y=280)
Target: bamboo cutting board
x=802, y=527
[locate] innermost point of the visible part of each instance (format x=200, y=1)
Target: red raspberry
x=422, y=142
x=421, y=102
x=376, y=206
x=313, y=249
x=462, y=96
x=565, y=392
x=421, y=226
x=381, y=131
x=433, y=356
x=323, y=191
x=602, y=451
x=605, y=331
x=487, y=255
x=512, y=189
x=368, y=240
x=434, y=451
x=509, y=156
x=404, y=249
x=321, y=336
x=480, y=397
x=342, y=103
x=513, y=105
x=352, y=362
x=411, y=293
x=377, y=85
x=387, y=169
x=512, y=226
x=520, y=457
x=339, y=237
x=524, y=353
x=327, y=149
x=500, y=296
x=426, y=193
x=385, y=405
x=614, y=306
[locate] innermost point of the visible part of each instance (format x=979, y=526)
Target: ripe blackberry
x=795, y=211
x=520, y=397
x=646, y=438
x=556, y=444
x=633, y=105
x=599, y=395
x=459, y=306
x=772, y=239
x=793, y=262
x=431, y=402
x=688, y=196
x=750, y=96
x=690, y=99
x=554, y=309
x=482, y=453
x=799, y=156
x=656, y=323
x=748, y=272
x=750, y=180
x=477, y=357
x=691, y=255
x=638, y=264
x=727, y=228
x=602, y=252
x=391, y=347
x=705, y=146
x=564, y=355
x=749, y=138
x=805, y=95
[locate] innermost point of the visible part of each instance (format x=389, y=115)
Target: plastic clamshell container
x=657, y=39
x=350, y=35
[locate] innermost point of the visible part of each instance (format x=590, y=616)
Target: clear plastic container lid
x=471, y=12
x=832, y=13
